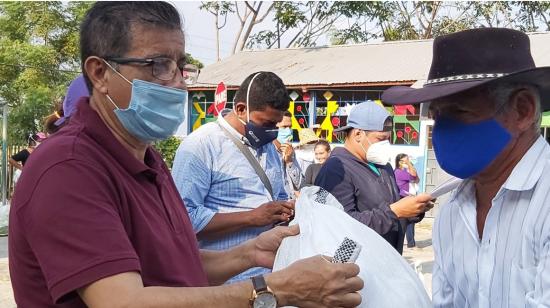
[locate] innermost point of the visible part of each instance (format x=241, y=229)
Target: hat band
x=464, y=77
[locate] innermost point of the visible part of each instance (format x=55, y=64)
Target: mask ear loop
x=119, y=74
x=248, y=96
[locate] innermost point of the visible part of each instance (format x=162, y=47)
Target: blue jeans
x=410, y=235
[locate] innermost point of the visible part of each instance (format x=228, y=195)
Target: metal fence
x=11, y=150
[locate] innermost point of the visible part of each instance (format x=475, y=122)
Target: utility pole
x=278, y=35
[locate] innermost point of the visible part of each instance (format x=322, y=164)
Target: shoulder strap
x=251, y=159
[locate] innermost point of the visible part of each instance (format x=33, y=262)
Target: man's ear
x=96, y=70
x=524, y=108
x=240, y=109
x=357, y=134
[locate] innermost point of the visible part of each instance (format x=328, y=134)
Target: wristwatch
x=262, y=296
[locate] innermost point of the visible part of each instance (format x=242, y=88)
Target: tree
x=218, y=9
x=38, y=58
x=533, y=15
x=303, y=23
x=250, y=18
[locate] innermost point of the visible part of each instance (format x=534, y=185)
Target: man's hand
x=288, y=152
x=412, y=206
x=315, y=282
x=262, y=250
x=271, y=212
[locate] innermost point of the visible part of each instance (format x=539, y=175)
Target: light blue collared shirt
x=213, y=176
x=510, y=265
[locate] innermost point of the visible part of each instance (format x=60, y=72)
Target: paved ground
x=421, y=257
x=6, y=295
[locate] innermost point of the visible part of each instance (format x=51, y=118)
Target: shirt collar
x=232, y=130
x=527, y=172
x=524, y=176
x=97, y=130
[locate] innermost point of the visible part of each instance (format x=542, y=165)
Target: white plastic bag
x=389, y=280
x=4, y=219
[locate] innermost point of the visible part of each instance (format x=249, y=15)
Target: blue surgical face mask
x=155, y=112
x=464, y=150
x=284, y=135
x=256, y=135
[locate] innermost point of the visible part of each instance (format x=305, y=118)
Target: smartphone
x=347, y=252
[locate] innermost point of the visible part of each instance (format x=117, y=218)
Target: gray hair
x=501, y=92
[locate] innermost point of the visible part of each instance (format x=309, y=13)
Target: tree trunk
x=217, y=37
x=250, y=26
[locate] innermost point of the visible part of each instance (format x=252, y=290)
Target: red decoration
x=306, y=97
x=299, y=108
x=414, y=135
x=335, y=121
x=407, y=129
x=301, y=121
x=402, y=110
x=400, y=134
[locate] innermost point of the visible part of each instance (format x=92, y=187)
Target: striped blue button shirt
x=510, y=265
x=213, y=176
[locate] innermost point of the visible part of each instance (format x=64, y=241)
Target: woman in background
x=405, y=174
x=19, y=159
x=322, y=152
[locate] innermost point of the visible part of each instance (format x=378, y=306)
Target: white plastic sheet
x=4, y=219
x=389, y=279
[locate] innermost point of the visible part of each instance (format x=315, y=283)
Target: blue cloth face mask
x=256, y=135
x=464, y=150
x=259, y=136
x=285, y=135
x=155, y=112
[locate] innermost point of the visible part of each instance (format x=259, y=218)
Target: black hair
x=324, y=143
x=33, y=139
x=399, y=157
x=287, y=114
x=106, y=30
x=266, y=90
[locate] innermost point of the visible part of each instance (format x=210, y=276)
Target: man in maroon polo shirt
x=96, y=219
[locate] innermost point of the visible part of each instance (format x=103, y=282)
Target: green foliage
x=192, y=60
x=167, y=148
x=39, y=56
x=301, y=24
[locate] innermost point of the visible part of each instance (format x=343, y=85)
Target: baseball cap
x=76, y=90
x=368, y=116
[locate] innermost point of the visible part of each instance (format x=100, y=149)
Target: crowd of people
x=98, y=219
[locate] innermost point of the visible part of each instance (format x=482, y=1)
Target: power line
x=205, y=47
x=39, y=68
x=209, y=38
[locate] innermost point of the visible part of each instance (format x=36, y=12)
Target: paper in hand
x=446, y=187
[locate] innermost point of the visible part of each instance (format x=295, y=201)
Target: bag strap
x=251, y=159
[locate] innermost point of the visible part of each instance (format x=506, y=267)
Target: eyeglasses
x=163, y=68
